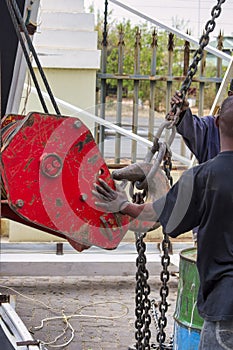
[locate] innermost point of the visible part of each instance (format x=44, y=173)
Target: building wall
x=75, y=86
x=66, y=44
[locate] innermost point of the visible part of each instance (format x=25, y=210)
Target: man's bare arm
x=143, y=212
x=113, y=201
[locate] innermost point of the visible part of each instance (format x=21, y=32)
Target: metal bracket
x=4, y=298
x=28, y=342
x=223, y=88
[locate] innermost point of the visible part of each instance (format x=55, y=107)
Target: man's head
x=230, y=91
x=225, y=120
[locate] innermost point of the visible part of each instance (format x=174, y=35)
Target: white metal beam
x=179, y=33
x=221, y=94
x=81, y=113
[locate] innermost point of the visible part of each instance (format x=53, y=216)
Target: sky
x=193, y=14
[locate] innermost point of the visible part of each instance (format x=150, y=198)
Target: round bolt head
x=77, y=124
x=20, y=203
x=83, y=197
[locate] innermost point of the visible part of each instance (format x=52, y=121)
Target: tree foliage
x=128, y=31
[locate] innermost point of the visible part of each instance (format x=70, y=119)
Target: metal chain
x=203, y=42
x=155, y=317
x=198, y=55
x=143, y=305
x=162, y=149
x=167, y=164
x=142, y=289
x=164, y=291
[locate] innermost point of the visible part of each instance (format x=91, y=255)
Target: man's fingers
x=101, y=193
x=105, y=189
x=175, y=100
x=101, y=205
x=101, y=190
x=104, y=204
x=98, y=195
x=105, y=186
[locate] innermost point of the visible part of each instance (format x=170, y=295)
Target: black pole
x=26, y=55
x=31, y=48
x=8, y=50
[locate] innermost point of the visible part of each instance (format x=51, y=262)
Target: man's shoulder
x=189, y=118
x=208, y=118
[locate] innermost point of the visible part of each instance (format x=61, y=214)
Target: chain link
x=203, y=42
x=164, y=291
x=143, y=305
x=198, y=55
x=155, y=317
x=163, y=150
x=167, y=166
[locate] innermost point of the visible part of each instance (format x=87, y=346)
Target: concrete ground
x=103, y=309
x=99, y=308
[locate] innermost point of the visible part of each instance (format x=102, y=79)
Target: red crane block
x=49, y=165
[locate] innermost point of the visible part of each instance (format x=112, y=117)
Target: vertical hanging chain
x=203, y=42
x=142, y=290
x=143, y=305
x=164, y=291
x=167, y=166
x=198, y=55
x=105, y=31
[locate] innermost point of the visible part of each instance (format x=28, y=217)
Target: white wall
x=66, y=44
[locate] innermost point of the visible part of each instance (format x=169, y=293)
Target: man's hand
x=177, y=100
x=111, y=201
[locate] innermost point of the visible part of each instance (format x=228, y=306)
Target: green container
x=187, y=322
x=186, y=311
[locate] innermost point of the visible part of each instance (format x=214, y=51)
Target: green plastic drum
x=188, y=323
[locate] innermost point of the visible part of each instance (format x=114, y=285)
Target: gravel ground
x=103, y=309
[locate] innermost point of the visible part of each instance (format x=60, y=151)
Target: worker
x=200, y=134
x=203, y=196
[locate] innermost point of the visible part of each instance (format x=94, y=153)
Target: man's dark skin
x=177, y=100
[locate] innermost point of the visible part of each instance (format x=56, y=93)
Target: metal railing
x=169, y=81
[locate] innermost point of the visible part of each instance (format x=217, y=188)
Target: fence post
x=103, y=80
x=119, y=94
x=136, y=94
x=154, y=45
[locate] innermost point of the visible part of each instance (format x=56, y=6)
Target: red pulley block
x=49, y=165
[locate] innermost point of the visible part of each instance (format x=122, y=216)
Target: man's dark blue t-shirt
x=204, y=197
